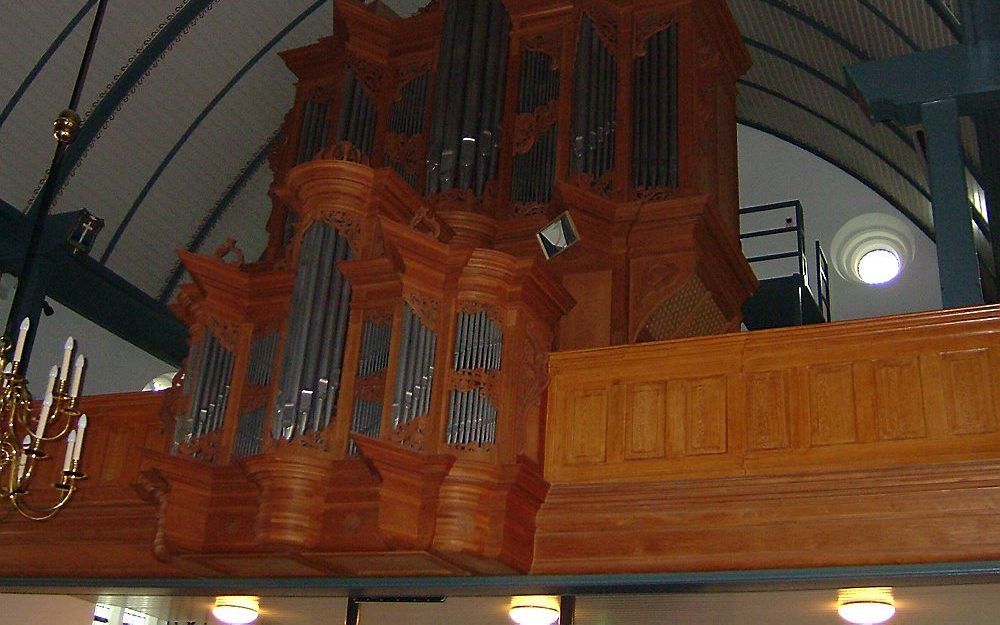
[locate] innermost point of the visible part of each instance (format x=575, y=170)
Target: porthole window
x=872, y=249
x=878, y=266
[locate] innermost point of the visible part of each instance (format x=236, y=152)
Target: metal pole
x=67, y=126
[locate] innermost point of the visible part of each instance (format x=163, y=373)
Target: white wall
x=44, y=610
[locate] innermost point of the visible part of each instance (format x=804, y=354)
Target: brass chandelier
x=53, y=421
x=27, y=434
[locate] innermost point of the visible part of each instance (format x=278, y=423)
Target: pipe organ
x=382, y=368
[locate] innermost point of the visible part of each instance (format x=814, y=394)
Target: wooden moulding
x=849, y=443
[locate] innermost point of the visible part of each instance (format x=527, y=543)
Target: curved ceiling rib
x=130, y=77
x=42, y=60
x=947, y=18
x=891, y=24
x=133, y=209
x=218, y=210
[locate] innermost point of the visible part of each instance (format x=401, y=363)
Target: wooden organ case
x=368, y=398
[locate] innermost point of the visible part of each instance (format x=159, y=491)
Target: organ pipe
x=212, y=377
x=478, y=349
x=594, y=104
x=356, y=122
x=415, y=369
x=406, y=122
x=654, y=142
x=468, y=101
x=534, y=170
x=317, y=330
x=373, y=360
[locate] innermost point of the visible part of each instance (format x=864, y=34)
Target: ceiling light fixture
x=865, y=606
x=878, y=266
x=534, y=610
x=236, y=610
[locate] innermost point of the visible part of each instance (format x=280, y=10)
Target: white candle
x=77, y=376
x=43, y=418
x=22, y=458
x=7, y=370
x=51, y=384
x=67, y=356
x=70, y=447
x=81, y=427
x=22, y=336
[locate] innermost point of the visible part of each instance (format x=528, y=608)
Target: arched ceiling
x=183, y=101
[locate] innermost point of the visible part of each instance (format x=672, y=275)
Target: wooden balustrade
x=848, y=443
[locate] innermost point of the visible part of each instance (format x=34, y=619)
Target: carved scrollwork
x=368, y=74
x=531, y=360
x=153, y=488
x=605, y=22
x=654, y=194
x=527, y=126
x=204, y=449
x=370, y=388
x=548, y=43
x=343, y=151
x=226, y=332
x=464, y=199
x=378, y=316
x=322, y=93
x=648, y=25
x=600, y=186
x=471, y=379
x=308, y=440
x=528, y=209
x=424, y=217
x=230, y=248
x=411, y=435
x=407, y=150
x=424, y=306
x=405, y=73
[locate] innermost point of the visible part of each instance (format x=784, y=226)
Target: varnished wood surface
x=860, y=442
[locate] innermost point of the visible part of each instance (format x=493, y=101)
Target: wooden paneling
x=877, y=392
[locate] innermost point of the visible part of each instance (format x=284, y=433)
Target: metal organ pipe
x=316, y=333
x=594, y=104
x=372, y=361
x=469, y=96
x=415, y=370
x=356, y=123
x=478, y=345
x=654, y=154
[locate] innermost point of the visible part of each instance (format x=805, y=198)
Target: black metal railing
x=792, y=224
x=822, y=282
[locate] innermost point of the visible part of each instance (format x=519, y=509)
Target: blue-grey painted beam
x=958, y=263
x=42, y=60
x=895, y=88
x=980, y=21
x=95, y=292
x=130, y=77
x=481, y=585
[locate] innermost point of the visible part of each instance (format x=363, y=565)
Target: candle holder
x=26, y=432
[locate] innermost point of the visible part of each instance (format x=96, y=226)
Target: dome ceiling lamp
x=534, y=610
x=236, y=610
x=25, y=432
x=866, y=606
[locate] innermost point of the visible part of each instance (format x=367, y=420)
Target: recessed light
x=878, y=266
x=537, y=610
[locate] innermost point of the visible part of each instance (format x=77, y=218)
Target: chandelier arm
x=41, y=514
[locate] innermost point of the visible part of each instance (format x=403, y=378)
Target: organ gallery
x=397, y=388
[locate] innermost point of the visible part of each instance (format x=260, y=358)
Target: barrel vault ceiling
x=183, y=99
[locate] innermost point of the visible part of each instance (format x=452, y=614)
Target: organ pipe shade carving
x=468, y=98
x=208, y=390
x=317, y=331
x=261, y=359
x=372, y=363
x=478, y=350
x=534, y=168
x=356, y=122
x=654, y=97
x=249, y=432
x=406, y=125
x=417, y=350
x=594, y=104
x=315, y=128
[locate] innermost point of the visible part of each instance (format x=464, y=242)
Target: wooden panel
x=588, y=427
x=832, y=406
x=969, y=392
x=697, y=416
x=645, y=420
x=767, y=405
x=898, y=398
